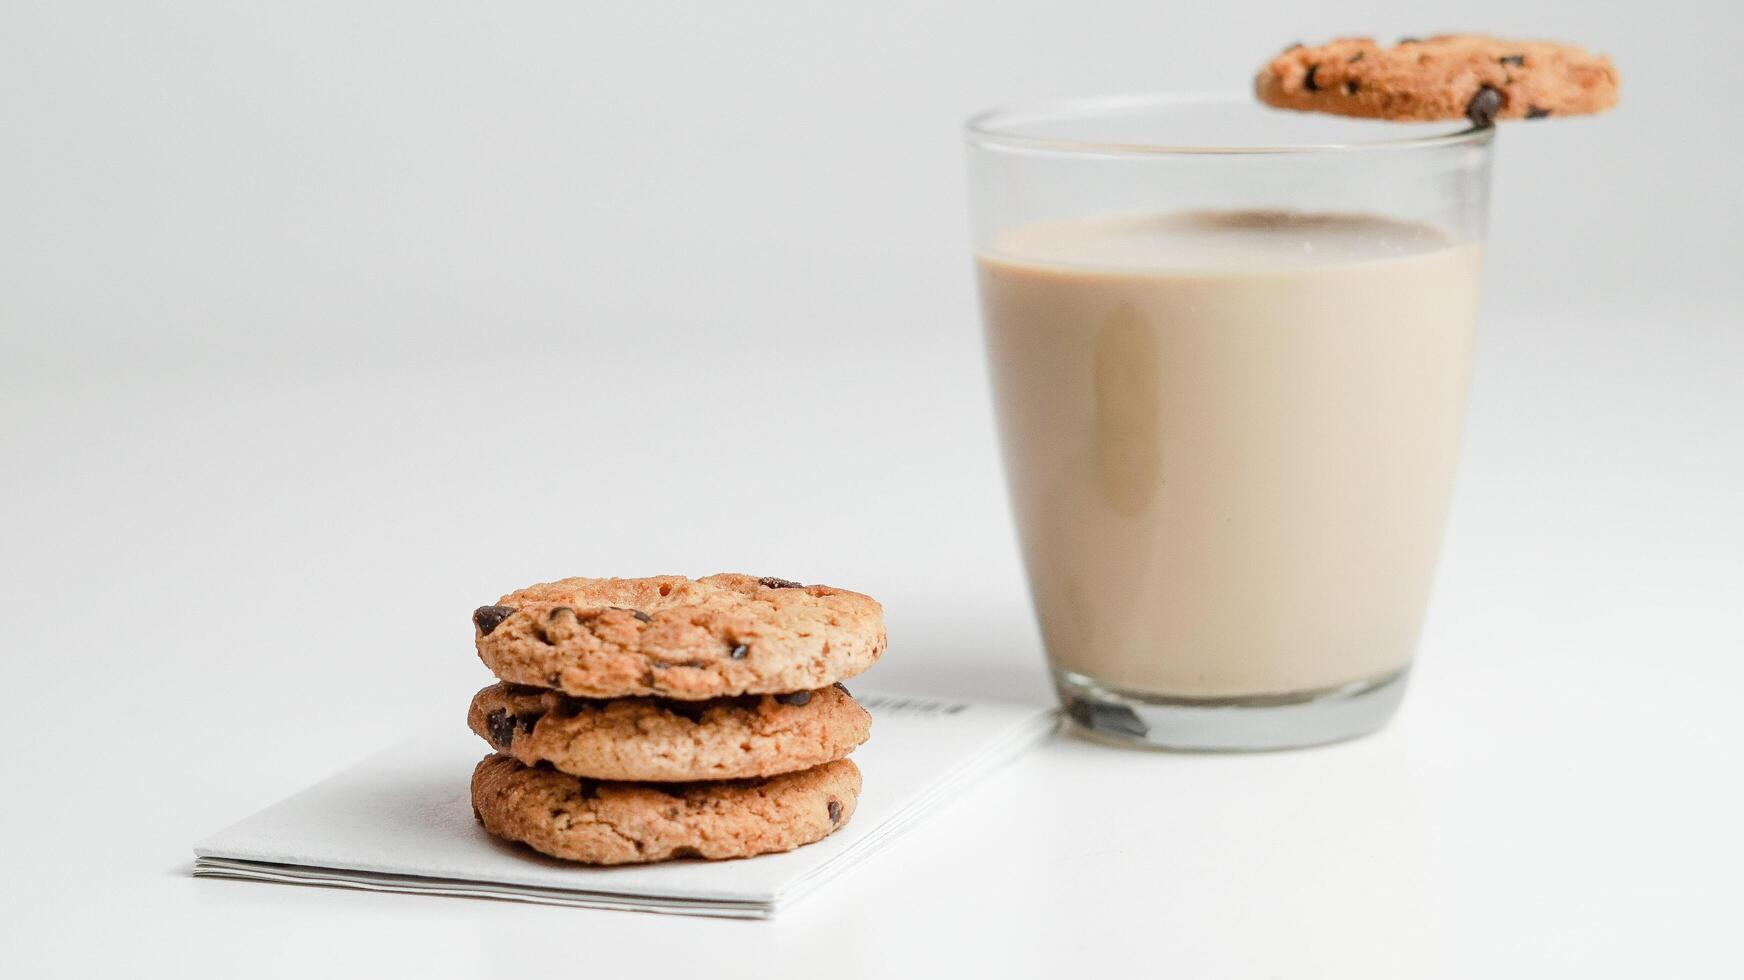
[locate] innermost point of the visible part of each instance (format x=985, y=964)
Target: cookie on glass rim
x=1447, y=76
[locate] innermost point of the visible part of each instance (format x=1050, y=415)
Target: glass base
x=1238, y=724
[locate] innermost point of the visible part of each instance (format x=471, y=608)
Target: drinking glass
x=1229, y=348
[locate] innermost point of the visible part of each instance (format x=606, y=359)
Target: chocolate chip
x=1536, y=112
x=1350, y=87
x=796, y=699
x=682, y=853
x=1308, y=81
x=778, y=583
x=641, y=616
x=740, y=652
x=688, y=710
x=842, y=687
x=488, y=618
x=1482, y=108
x=835, y=811
x=1512, y=59
x=1410, y=40
x=502, y=728
x=527, y=723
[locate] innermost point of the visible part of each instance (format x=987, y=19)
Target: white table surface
x=228, y=575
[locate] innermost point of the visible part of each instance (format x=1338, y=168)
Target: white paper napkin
x=402, y=821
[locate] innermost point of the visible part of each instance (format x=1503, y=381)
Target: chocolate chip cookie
x=679, y=638
x=629, y=823
x=661, y=740
x=1442, y=77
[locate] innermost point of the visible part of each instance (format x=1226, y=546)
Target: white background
x=321, y=324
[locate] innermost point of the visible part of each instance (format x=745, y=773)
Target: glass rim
x=995, y=128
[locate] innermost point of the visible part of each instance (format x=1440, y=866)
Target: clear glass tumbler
x=1230, y=348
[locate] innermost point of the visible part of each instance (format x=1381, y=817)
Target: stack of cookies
x=658, y=718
